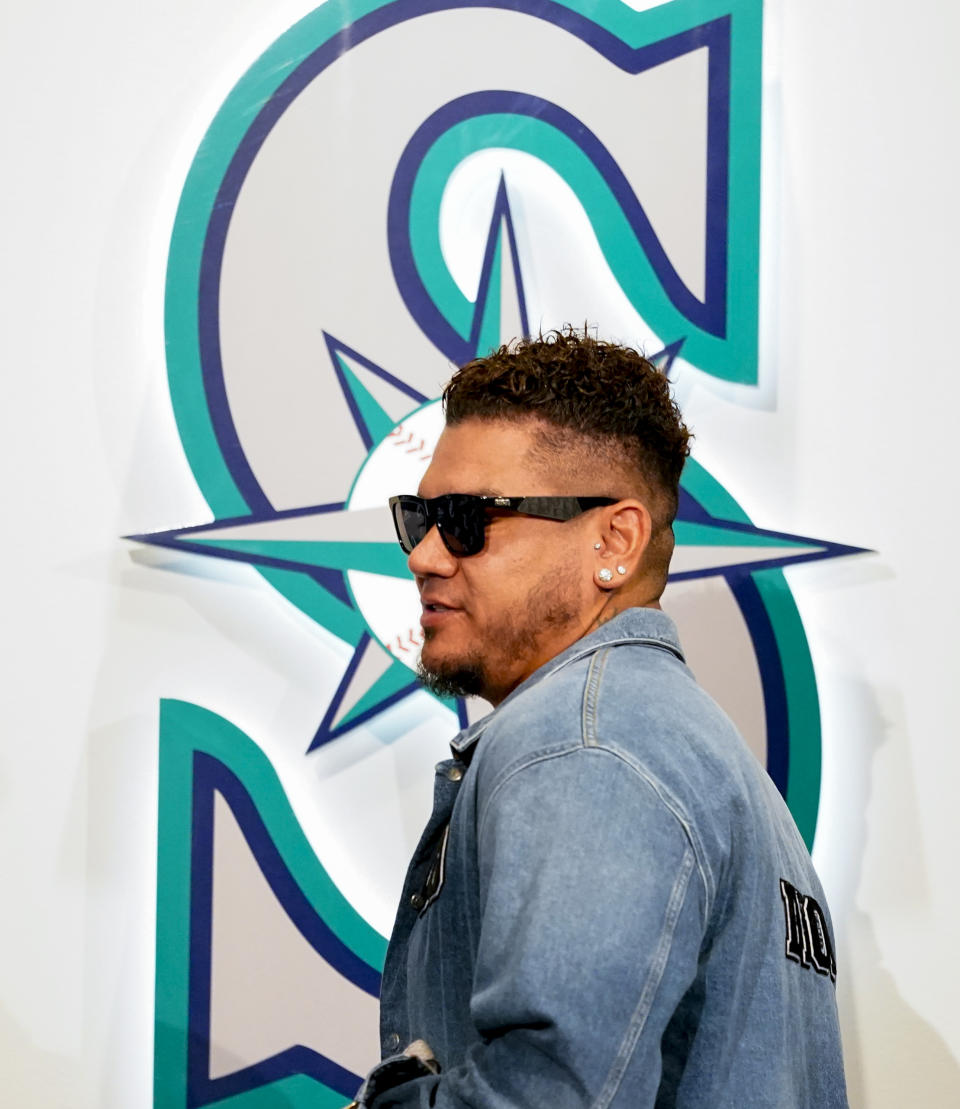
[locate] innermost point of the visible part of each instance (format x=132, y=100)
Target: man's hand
x=421, y=1050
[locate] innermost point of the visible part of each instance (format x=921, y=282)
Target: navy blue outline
x=604, y=42
x=773, y=680
x=717, y=230
x=691, y=511
x=335, y=347
x=211, y=776
x=325, y=732
x=324, y=736
x=667, y=356
x=334, y=581
x=709, y=315
x=827, y=549
x=462, y=716
x=501, y=211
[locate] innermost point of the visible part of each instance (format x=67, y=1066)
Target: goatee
x=463, y=680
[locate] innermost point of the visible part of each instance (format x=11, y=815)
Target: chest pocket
x=436, y=873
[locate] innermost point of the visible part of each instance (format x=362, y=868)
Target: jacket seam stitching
x=622, y=641
x=655, y=975
x=663, y=794
x=591, y=694
x=591, y=698
x=587, y=652
x=680, y=815
x=543, y=755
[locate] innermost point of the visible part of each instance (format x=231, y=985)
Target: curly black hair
x=597, y=390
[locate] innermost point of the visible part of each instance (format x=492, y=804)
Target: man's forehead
x=487, y=457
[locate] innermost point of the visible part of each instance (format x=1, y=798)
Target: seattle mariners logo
x=394, y=187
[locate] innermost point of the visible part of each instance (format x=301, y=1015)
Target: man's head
x=561, y=416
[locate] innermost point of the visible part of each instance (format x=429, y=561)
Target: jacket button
x=455, y=773
x=416, y=901
x=393, y=1041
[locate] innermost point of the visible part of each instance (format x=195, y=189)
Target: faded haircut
x=599, y=395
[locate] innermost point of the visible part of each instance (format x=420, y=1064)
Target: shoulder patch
x=808, y=939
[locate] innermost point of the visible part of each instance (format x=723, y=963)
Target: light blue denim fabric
x=604, y=924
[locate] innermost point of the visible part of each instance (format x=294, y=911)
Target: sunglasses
x=461, y=518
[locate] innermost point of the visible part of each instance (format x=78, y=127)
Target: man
x=610, y=905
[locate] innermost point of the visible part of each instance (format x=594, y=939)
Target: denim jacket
x=610, y=907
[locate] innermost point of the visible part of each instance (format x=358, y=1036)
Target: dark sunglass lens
x=451, y=538
x=396, y=509
x=462, y=523
x=410, y=517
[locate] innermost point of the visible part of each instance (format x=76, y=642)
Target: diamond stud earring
x=621, y=569
x=597, y=546
x=604, y=574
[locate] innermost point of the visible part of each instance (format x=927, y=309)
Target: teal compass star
x=368, y=597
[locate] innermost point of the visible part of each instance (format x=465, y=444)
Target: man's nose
x=430, y=557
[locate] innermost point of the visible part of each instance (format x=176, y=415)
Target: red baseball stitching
x=397, y=441
x=414, y=638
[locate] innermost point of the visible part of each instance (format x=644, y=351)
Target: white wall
x=104, y=106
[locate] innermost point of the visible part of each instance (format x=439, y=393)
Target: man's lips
x=435, y=612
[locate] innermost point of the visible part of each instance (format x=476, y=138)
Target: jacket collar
x=633, y=625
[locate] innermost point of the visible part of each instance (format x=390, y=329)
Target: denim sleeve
x=592, y=915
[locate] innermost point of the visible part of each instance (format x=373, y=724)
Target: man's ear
x=626, y=528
